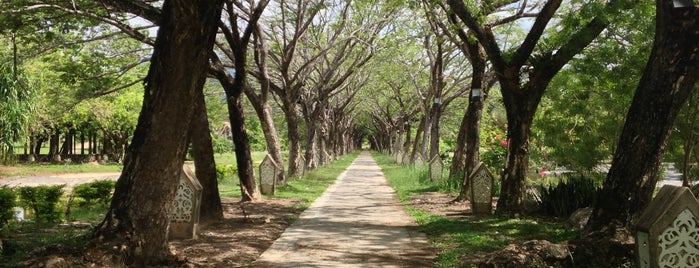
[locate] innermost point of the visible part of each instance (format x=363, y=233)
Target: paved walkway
x=357, y=222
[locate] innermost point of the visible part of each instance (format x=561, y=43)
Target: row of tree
x=314, y=58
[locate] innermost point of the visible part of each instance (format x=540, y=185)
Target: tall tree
x=288, y=70
x=668, y=79
x=234, y=85
x=524, y=73
x=140, y=208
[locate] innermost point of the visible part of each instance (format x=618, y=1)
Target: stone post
x=667, y=232
x=184, y=218
x=481, y=190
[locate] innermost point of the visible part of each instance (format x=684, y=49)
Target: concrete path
x=357, y=222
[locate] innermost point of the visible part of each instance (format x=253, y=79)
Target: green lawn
x=456, y=238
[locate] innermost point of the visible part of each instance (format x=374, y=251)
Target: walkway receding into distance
x=357, y=222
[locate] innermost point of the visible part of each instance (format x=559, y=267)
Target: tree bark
x=139, y=214
x=204, y=163
x=292, y=125
x=669, y=77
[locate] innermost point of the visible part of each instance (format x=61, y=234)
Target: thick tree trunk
x=139, y=214
x=426, y=131
x=54, y=140
x=311, y=146
x=67, y=147
x=248, y=183
x=434, y=131
x=272, y=139
x=204, y=163
x=471, y=147
x=416, y=142
x=669, y=77
x=513, y=181
x=292, y=117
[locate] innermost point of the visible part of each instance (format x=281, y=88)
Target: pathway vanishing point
x=357, y=222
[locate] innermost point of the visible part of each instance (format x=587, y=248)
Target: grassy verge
x=458, y=238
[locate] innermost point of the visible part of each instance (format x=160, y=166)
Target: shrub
x=7, y=203
x=100, y=190
x=570, y=194
x=43, y=201
x=224, y=172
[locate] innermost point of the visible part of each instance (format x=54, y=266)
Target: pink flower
x=498, y=137
x=503, y=144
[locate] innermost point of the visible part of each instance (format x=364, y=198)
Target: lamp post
x=475, y=94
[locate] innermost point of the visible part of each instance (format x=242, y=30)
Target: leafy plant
x=100, y=190
x=568, y=195
x=43, y=201
x=8, y=200
x=225, y=172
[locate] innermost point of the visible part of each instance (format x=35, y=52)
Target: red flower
x=503, y=144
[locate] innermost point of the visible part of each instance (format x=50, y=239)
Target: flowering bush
x=493, y=152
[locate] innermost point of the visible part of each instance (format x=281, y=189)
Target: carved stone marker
x=436, y=167
x=419, y=160
x=399, y=158
x=667, y=233
x=268, y=176
x=406, y=159
x=184, y=218
x=481, y=190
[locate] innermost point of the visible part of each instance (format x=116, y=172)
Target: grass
x=458, y=238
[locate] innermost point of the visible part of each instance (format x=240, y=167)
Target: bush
x=224, y=172
x=43, y=201
x=100, y=190
x=570, y=194
x=7, y=203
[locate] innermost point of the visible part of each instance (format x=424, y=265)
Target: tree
x=668, y=79
x=524, y=73
x=288, y=72
x=143, y=196
x=15, y=110
x=234, y=86
x=570, y=128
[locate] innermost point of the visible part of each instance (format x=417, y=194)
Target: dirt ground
x=237, y=240
x=234, y=242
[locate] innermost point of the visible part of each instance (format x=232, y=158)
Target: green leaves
x=16, y=109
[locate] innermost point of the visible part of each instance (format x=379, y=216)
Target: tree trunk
x=311, y=145
x=434, y=135
x=248, y=183
x=54, y=140
x=469, y=146
x=205, y=165
x=139, y=214
x=416, y=142
x=272, y=139
x=67, y=148
x=669, y=77
x=513, y=181
x=292, y=117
